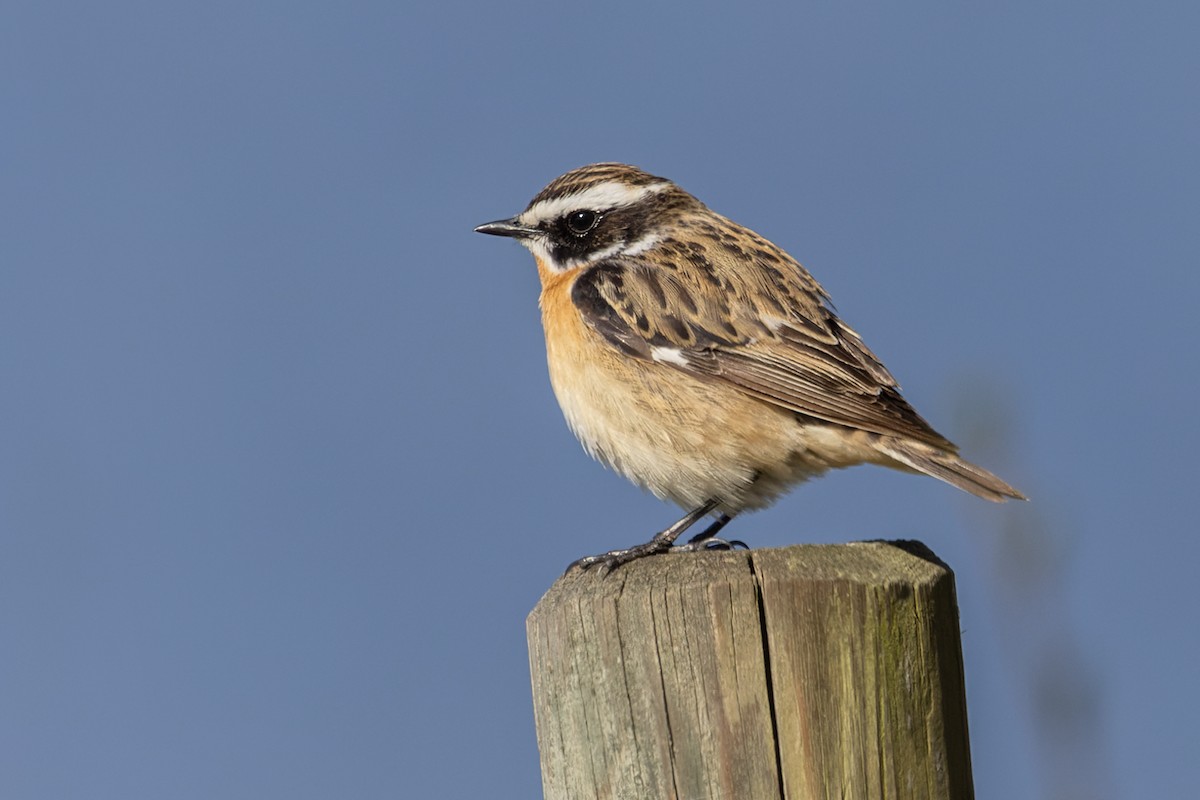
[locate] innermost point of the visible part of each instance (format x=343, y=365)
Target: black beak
x=508, y=227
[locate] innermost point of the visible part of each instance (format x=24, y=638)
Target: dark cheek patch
x=567, y=246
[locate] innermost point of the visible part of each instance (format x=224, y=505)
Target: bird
x=702, y=362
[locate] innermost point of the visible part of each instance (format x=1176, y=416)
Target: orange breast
x=567, y=335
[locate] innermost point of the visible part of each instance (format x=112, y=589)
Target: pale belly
x=684, y=439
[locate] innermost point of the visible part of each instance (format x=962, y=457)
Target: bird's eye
x=582, y=221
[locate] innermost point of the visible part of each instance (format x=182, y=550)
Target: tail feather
x=947, y=466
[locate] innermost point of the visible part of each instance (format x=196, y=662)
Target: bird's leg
x=707, y=539
x=661, y=542
x=711, y=530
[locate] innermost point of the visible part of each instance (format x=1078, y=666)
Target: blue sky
x=281, y=473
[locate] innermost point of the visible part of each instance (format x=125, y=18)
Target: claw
x=615, y=558
x=711, y=543
x=663, y=541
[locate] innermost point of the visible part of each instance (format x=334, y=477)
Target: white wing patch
x=668, y=355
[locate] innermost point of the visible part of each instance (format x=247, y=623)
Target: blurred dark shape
x=1032, y=549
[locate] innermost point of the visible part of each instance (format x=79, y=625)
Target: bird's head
x=595, y=213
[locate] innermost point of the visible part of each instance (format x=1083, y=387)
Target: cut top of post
x=808, y=671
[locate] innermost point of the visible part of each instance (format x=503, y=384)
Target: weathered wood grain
x=805, y=672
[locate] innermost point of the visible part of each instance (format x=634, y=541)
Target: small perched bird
x=701, y=361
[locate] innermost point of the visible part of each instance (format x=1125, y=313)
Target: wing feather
x=751, y=316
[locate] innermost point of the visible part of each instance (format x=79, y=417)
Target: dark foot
x=710, y=532
x=697, y=545
x=661, y=542
x=615, y=558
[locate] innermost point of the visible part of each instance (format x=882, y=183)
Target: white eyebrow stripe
x=610, y=194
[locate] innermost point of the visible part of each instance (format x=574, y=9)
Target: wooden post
x=815, y=671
